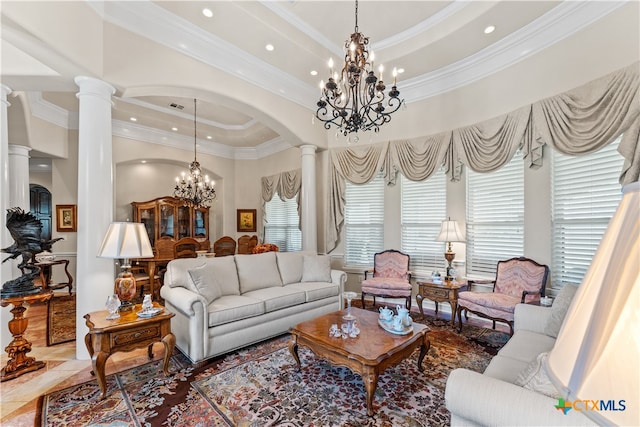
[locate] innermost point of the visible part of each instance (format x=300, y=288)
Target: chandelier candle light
x=354, y=100
x=449, y=232
x=194, y=189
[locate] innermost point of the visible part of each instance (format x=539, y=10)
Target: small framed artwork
x=246, y=220
x=66, y=218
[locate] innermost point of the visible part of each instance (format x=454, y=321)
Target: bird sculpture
x=26, y=231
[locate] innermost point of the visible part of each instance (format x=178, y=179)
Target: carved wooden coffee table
x=369, y=354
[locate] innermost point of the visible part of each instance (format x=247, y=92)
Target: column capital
x=4, y=91
x=308, y=149
x=20, y=150
x=95, y=87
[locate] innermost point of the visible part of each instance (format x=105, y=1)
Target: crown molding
x=559, y=23
x=158, y=24
x=175, y=112
x=138, y=132
x=51, y=113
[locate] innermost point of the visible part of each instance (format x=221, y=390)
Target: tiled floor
x=18, y=397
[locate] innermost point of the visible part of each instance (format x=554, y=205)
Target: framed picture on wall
x=66, y=218
x=246, y=220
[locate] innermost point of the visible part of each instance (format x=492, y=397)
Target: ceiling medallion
x=194, y=189
x=354, y=100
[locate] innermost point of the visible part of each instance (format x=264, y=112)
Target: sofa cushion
x=534, y=377
x=206, y=283
x=290, y=266
x=559, y=309
x=177, y=274
x=526, y=345
x=230, y=308
x=278, y=297
x=316, y=268
x=505, y=368
x=257, y=271
x=317, y=290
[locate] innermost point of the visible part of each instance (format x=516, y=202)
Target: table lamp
x=595, y=357
x=449, y=232
x=126, y=240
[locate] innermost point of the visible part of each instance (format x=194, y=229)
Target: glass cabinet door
x=184, y=226
x=147, y=216
x=200, y=220
x=167, y=220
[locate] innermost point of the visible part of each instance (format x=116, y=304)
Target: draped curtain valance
x=286, y=184
x=579, y=121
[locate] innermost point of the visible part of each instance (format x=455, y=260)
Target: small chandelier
x=194, y=190
x=355, y=99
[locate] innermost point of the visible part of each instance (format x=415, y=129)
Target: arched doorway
x=40, y=207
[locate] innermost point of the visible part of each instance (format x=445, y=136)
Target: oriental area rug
x=261, y=386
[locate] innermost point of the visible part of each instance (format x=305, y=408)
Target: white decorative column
x=19, y=176
x=5, y=237
x=308, y=199
x=95, y=276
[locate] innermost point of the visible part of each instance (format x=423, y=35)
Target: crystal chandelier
x=354, y=100
x=194, y=189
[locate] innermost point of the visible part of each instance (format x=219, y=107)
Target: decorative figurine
x=26, y=230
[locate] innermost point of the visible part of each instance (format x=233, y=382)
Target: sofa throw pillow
x=534, y=377
x=206, y=283
x=258, y=271
x=290, y=266
x=316, y=268
x=559, y=310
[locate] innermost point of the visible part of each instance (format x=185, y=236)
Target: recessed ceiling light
x=143, y=161
x=207, y=12
x=43, y=165
x=174, y=129
x=269, y=47
x=489, y=29
x=314, y=73
x=208, y=136
x=133, y=119
x=400, y=70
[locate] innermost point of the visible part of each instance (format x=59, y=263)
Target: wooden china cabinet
x=167, y=220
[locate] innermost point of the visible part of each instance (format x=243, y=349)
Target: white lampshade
x=597, y=353
x=450, y=232
x=126, y=240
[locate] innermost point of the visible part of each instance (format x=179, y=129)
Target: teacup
x=397, y=323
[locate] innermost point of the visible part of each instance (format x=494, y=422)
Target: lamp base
x=125, y=288
x=449, y=256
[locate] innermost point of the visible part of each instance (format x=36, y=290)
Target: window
x=363, y=221
x=282, y=224
x=495, y=217
x=424, y=207
x=584, y=196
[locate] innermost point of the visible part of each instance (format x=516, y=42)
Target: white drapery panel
x=286, y=184
x=576, y=122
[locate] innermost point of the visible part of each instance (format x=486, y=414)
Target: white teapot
x=403, y=314
x=386, y=313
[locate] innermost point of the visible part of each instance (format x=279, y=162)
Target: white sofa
x=514, y=389
x=225, y=303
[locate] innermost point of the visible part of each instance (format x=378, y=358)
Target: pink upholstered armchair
x=391, y=277
x=518, y=280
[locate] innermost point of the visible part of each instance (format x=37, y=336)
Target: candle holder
x=349, y=296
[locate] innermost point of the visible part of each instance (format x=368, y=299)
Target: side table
x=440, y=292
x=19, y=363
x=46, y=274
x=127, y=333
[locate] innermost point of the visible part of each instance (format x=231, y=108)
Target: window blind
x=495, y=217
x=282, y=224
x=424, y=207
x=585, y=193
x=363, y=221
